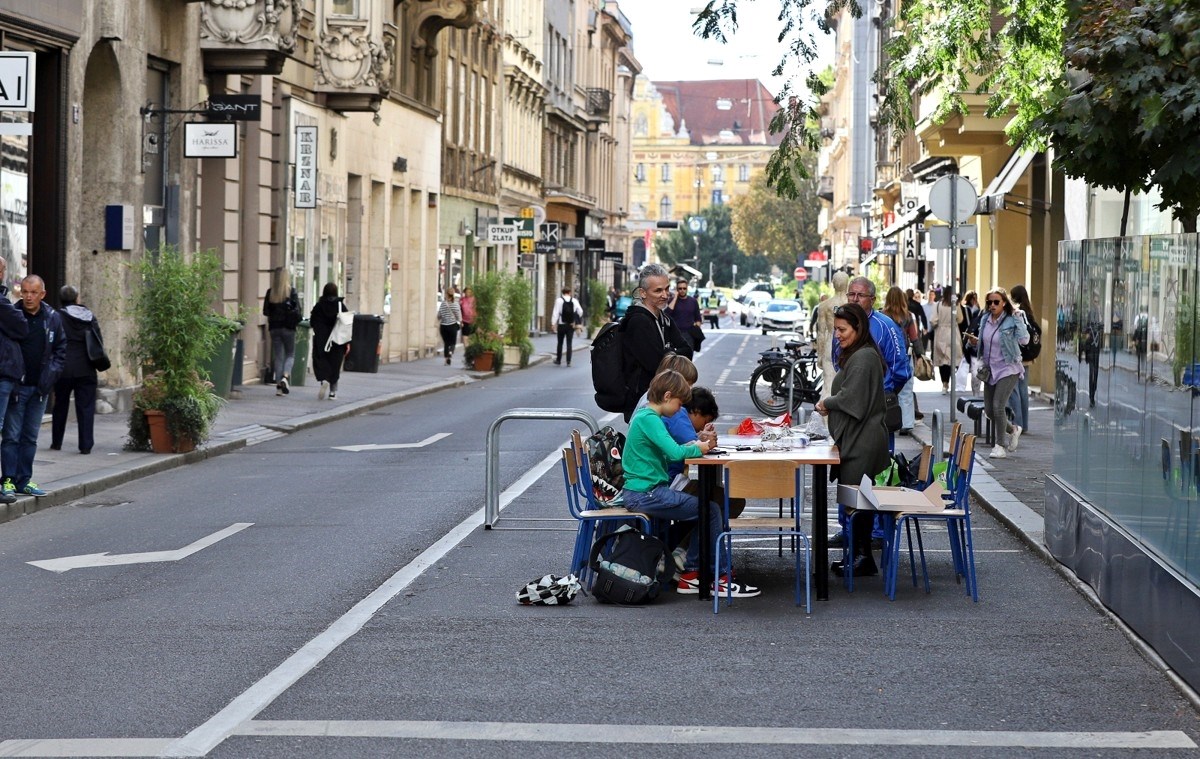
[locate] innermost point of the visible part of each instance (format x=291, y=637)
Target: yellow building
x=695, y=144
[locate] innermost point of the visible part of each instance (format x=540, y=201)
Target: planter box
x=512, y=356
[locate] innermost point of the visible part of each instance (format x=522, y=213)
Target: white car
x=778, y=314
x=744, y=306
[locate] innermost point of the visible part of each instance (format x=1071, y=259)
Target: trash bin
x=219, y=365
x=364, y=345
x=300, y=362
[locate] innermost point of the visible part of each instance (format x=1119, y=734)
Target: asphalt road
x=254, y=646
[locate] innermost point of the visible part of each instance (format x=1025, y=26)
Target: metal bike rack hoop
x=491, y=505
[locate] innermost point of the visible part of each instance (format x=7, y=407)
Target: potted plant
x=174, y=335
x=489, y=292
x=518, y=313
x=597, y=306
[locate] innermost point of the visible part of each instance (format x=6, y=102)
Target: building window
x=343, y=8
x=666, y=172
x=744, y=172
x=717, y=173
x=664, y=208
x=640, y=172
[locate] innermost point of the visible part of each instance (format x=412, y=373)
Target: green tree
x=716, y=246
x=781, y=228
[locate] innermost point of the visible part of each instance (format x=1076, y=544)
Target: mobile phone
x=717, y=452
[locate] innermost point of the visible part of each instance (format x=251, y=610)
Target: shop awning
x=907, y=220
x=994, y=198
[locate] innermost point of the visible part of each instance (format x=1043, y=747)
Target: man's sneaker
x=30, y=489
x=8, y=496
x=278, y=388
x=998, y=453
x=1014, y=437
x=283, y=385
x=323, y=390
x=8, y=488
x=689, y=584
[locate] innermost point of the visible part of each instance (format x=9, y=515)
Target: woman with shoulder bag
x=449, y=320
x=327, y=356
x=970, y=355
x=895, y=305
x=1001, y=335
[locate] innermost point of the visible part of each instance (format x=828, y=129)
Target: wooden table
x=819, y=457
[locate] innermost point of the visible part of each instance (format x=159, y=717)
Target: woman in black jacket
x=282, y=309
x=78, y=375
x=327, y=364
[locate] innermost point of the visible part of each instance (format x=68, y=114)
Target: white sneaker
x=998, y=453
x=1014, y=437
x=323, y=390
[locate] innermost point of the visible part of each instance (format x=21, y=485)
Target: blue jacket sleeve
x=894, y=349
x=13, y=323
x=56, y=353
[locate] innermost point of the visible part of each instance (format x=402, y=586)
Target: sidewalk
x=253, y=416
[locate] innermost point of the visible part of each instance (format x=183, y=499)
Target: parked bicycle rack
x=491, y=505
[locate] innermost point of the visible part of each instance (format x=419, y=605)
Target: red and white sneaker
x=689, y=584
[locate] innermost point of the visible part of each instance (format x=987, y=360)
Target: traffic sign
x=965, y=199
x=801, y=274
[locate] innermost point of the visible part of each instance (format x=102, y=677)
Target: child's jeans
x=664, y=503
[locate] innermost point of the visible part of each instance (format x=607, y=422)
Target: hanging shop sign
x=306, y=167
x=205, y=140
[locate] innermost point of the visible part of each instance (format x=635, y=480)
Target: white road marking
x=258, y=696
x=555, y=732
x=55, y=747
x=388, y=446
x=67, y=563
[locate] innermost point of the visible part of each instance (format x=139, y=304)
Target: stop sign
x=801, y=274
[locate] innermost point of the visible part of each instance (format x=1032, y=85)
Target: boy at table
x=649, y=451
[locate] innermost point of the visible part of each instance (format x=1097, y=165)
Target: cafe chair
x=585, y=509
x=766, y=480
x=956, y=517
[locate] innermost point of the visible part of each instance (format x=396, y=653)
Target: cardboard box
x=873, y=498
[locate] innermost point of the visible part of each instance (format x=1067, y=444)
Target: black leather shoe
x=863, y=567
x=837, y=540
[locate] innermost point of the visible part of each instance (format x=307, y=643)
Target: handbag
x=343, y=329
x=922, y=368
x=893, y=419
x=96, y=354
x=983, y=373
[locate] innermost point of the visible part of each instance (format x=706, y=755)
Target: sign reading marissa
x=204, y=140
x=306, y=167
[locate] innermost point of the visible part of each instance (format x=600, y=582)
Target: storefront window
x=1127, y=396
x=14, y=197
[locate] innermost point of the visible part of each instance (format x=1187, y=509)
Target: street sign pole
x=953, y=200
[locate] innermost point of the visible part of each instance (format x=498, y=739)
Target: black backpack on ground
x=608, y=368
x=633, y=569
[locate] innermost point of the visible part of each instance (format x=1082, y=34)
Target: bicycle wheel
x=769, y=390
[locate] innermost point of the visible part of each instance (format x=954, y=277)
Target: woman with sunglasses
x=855, y=415
x=1001, y=333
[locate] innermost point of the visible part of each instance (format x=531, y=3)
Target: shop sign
x=205, y=140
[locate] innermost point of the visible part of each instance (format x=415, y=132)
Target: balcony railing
x=599, y=102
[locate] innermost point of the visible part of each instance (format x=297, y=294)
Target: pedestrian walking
x=684, y=310
x=13, y=330
x=326, y=356
x=1019, y=402
x=43, y=352
x=1001, y=334
x=970, y=355
x=78, y=376
x=449, y=320
x=282, y=309
x=466, y=304
x=947, y=324
x=566, y=317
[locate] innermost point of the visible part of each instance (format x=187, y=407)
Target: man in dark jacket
x=648, y=334
x=13, y=329
x=43, y=351
x=78, y=376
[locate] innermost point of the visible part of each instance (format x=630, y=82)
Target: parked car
x=781, y=315
x=746, y=304
x=705, y=295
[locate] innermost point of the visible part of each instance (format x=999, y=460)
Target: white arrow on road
x=105, y=559
x=386, y=446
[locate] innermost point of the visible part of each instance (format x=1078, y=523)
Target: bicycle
x=769, y=382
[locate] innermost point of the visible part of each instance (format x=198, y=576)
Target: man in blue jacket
x=43, y=352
